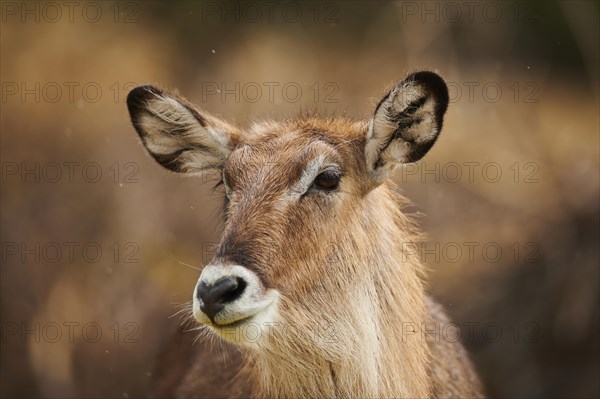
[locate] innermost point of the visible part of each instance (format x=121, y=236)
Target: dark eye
x=327, y=181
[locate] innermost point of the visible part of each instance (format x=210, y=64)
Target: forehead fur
x=278, y=153
x=291, y=144
x=331, y=130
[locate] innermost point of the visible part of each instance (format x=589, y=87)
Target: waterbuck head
x=313, y=231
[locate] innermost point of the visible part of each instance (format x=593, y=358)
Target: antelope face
x=293, y=191
x=286, y=187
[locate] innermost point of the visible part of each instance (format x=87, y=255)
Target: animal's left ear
x=406, y=123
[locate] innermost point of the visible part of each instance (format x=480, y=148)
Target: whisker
x=188, y=265
x=185, y=264
x=181, y=311
x=198, y=328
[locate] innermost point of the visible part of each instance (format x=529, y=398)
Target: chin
x=252, y=329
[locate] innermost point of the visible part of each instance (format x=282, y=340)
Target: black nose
x=214, y=297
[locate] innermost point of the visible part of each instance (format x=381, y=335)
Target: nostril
x=201, y=291
x=214, y=297
x=236, y=292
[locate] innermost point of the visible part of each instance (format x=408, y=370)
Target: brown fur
x=188, y=369
x=369, y=358
x=352, y=301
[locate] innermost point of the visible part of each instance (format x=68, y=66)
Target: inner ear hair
x=176, y=134
x=154, y=111
x=407, y=121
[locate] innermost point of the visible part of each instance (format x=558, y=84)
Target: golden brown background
x=525, y=90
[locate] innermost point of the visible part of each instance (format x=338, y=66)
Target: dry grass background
x=552, y=296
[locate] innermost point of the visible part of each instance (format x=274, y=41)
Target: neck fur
x=354, y=338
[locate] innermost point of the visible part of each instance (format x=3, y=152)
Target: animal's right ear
x=176, y=134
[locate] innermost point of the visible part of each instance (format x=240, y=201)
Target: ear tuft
x=406, y=123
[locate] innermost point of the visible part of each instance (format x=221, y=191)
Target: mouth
x=242, y=328
x=233, y=317
x=233, y=324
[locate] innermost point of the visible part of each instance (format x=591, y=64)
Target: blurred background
x=100, y=245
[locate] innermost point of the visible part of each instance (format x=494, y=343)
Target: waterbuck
x=311, y=290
